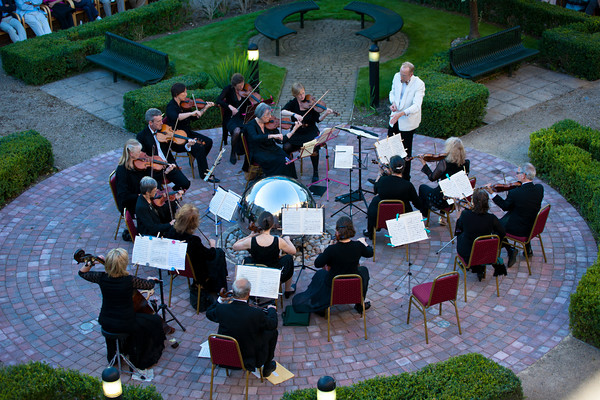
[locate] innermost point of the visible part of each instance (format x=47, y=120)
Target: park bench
x=386, y=24
x=132, y=60
x=489, y=53
x=270, y=23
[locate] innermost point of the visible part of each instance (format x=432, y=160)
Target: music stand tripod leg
x=303, y=266
x=163, y=306
x=408, y=274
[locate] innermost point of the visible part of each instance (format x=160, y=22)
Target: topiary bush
x=36, y=380
x=24, y=157
x=55, y=56
x=584, y=309
x=136, y=102
x=469, y=376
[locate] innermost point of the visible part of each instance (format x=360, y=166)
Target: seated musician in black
x=432, y=197
x=522, y=205
x=391, y=186
x=128, y=177
x=476, y=222
x=230, y=100
x=153, y=147
x=254, y=330
x=151, y=220
x=297, y=109
x=198, y=145
x=262, y=147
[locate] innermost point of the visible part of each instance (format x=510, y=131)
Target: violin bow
x=194, y=98
x=249, y=94
x=313, y=106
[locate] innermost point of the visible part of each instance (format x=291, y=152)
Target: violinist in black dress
x=230, y=100
x=262, y=147
x=297, y=109
x=150, y=219
x=199, y=145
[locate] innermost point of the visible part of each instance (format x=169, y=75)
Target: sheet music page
x=229, y=205
x=408, y=228
x=176, y=255
x=302, y=221
x=217, y=200
x=359, y=132
x=264, y=281
x=344, y=157
x=204, y=350
x=291, y=223
x=313, y=221
x=457, y=186
x=327, y=135
x=159, y=253
x=308, y=148
x=387, y=148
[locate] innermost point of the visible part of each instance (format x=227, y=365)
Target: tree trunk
x=474, y=28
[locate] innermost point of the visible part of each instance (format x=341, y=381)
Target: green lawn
x=429, y=31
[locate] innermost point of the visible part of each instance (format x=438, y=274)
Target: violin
x=227, y=297
x=253, y=228
x=144, y=161
x=318, y=105
x=188, y=104
x=167, y=134
x=273, y=123
x=251, y=95
x=504, y=187
x=162, y=196
x=429, y=157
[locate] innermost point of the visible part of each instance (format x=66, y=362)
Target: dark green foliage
x=39, y=381
x=574, y=48
x=470, y=376
x=584, y=309
x=52, y=57
x=136, y=102
x=25, y=156
x=452, y=106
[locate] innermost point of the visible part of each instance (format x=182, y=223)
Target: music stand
x=163, y=306
x=352, y=196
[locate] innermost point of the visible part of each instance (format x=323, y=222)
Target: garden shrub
x=584, y=309
x=24, y=157
x=36, y=380
x=469, y=376
x=55, y=56
x=136, y=102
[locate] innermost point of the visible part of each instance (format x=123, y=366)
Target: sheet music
x=224, y=203
x=407, y=228
x=302, y=221
x=457, y=186
x=327, y=135
x=204, y=350
x=308, y=148
x=344, y=157
x=360, y=132
x=160, y=253
x=264, y=281
x=389, y=147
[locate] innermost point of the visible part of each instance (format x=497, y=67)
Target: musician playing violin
x=199, y=145
x=117, y=315
x=153, y=147
x=150, y=219
x=262, y=147
x=297, y=110
x=432, y=197
x=230, y=99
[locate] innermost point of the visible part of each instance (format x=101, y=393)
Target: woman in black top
x=474, y=223
x=296, y=108
x=262, y=147
x=150, y=220
x=210, y=267
x=453, y=163
x=339, y=258
x=230, y=100
x=265, y=248
x=117, y=315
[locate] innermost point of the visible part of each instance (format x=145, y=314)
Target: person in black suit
x=150, y=220
x=152, y=147
x=522, y=205
x=177, y=118
x=391, y=187
x=476, y=222
x=254, y=329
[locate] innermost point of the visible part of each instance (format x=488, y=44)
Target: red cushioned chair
x=485, y=251
x=346, y=289
x=112, y=182
x=386, y=210
x=443, y=288
x=188, y=273
x=536, y=231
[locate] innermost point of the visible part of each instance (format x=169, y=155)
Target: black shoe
x=512, y=257
x=321, y=313
x=126, y=236
x=368, y=234
x=315, y=178
x=529, y=251
x=289, y=293
x=233, y=157
x=480, y=275
x=371, y=181
x=268, y=369
x=358, y=307
x=212, y=179
x=499, y=269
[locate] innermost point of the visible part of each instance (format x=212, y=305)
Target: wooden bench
x=270, y=23
x=131, y=59
x=489, y=53
x=386, y=24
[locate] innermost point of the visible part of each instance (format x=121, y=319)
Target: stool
x=120, y=338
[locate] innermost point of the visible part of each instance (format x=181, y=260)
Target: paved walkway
x=48, y=313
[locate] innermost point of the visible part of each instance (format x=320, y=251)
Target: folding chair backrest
x=112, y=181
x=485, y=250
x=444, y=288
x=346, y=289
x=540, y=222
x=130, y=225
x=225, y=351
x=388, y=209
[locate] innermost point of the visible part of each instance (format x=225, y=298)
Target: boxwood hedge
x=584, y=309
x=469, y=376
x=17, y=170
x=37, y=380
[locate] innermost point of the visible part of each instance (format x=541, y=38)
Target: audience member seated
x=577, y=5
x=37, y=20
x=10, y=24
x=106, y=4
x=89, y=7
x=62, y=12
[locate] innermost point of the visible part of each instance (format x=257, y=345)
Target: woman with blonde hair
x=117, y=315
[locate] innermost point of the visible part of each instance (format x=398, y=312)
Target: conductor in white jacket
x=406, y=98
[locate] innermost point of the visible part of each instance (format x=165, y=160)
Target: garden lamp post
x=326, y=388
x=374, y=75
x=253, y=64
x=111, y=383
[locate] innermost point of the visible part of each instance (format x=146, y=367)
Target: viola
x=161, y=197
x=429, y=157
x=167, y=134
x=318, y=105
x=253, y=97
x=188, y=104
x=273, y=123
x=504, y=187
x=144, y=161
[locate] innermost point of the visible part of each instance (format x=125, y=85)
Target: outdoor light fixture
x=252, y=52
x=326, y=388
x=111, y=383
x=374, y=75
x=374, y=53
x=253, y=65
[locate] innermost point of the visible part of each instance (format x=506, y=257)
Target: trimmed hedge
x=469, y=376
x=584, y=309
x=24, y=156
x=36, y=380
x=574, y=48
x=55, y=56
x=136, y=102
